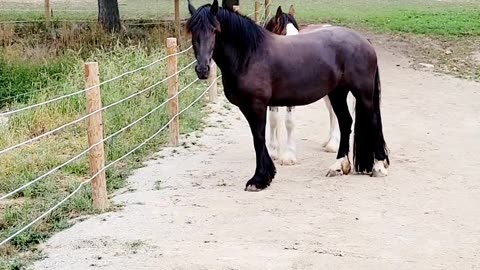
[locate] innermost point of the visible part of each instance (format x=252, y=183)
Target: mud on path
x=187, y=209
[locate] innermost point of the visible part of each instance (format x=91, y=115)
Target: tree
x=108, y=15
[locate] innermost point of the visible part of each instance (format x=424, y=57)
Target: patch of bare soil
x=459, y=57
x=187, y=209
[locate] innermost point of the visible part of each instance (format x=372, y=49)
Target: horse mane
x=202, y=20
x=239, y=31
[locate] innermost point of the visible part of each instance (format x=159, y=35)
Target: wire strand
x=106, y=167
x=92, y=87
x=95, y=144
x=92, y=113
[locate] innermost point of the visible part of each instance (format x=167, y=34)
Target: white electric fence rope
x=92, y=113
x=93, y=145
x=107, y=166
x=92, y=87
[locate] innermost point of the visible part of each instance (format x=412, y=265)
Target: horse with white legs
x=285, y=24
x=256, y=74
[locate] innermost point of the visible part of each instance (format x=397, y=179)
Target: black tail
x=368, y=142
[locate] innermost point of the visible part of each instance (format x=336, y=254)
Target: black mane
x=236, y=30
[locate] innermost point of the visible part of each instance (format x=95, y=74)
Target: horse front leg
x=256, y=114
x=274, y=119
x=288, y=156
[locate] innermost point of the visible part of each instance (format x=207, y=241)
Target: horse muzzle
x=202, y=71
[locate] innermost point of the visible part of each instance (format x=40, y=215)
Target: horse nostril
x=202, y=68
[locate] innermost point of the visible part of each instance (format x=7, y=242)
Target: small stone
x=426, y=65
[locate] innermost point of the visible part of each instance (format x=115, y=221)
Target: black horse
x=261, y=69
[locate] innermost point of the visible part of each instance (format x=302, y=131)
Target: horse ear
x=214, y=8
x=279, y=12
x=191, y=9
x=291, y=11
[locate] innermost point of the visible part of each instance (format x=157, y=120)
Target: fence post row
x=173, y=90
x=95, y=135
x=47, y=13
x=177, y=21
x=212, y=91
x=267, y=9
x=257, y=11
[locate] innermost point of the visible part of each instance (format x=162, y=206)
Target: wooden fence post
x=257, y=11
x=177, y=21
x=236, y=8
x=95, y=135
x=47, y=13
x=172, y=91
x=267, y=9
x=212, y=91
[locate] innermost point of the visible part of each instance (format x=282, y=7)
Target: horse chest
x=233, y=96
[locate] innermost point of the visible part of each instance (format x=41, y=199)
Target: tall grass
x=57, y=77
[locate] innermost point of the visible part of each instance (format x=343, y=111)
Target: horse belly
x=304, y=88
x=298, y=96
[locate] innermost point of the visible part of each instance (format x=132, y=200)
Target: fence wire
x=107, y=138
x=4, y=114
x=108, y=166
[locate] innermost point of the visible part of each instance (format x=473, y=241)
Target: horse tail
x=369, y=142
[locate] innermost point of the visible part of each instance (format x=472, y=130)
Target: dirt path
x=424, y=215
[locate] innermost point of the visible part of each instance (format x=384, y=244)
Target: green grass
x=445, y=18
x=34, y=67
x=454, y=22
x=27, y=163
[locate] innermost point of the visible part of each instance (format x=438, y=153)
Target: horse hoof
x=253, y=186
x=346, y=167
x=331, y=146
x=378, y=174
x=288, y=159
x=334, y=173
x=340, y=167
x=380, y=168
x=288, y=162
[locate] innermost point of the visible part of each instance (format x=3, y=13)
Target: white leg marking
x=333, y=142
x=288, y=156
x=379, y=168
x=340, y=167
x=351, y=105
x=273, y=144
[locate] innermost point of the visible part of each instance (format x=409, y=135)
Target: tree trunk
x=108, y=15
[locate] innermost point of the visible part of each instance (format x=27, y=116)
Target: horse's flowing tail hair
x=368, y=138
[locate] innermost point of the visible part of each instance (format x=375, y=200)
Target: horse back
x=317, y=62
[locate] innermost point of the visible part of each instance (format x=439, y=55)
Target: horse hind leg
x=370, y=150
x=338, y=99
x=274, y=119
x=331, y=144
x=288, y=156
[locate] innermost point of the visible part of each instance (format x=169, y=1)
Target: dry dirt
x=187, y=209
